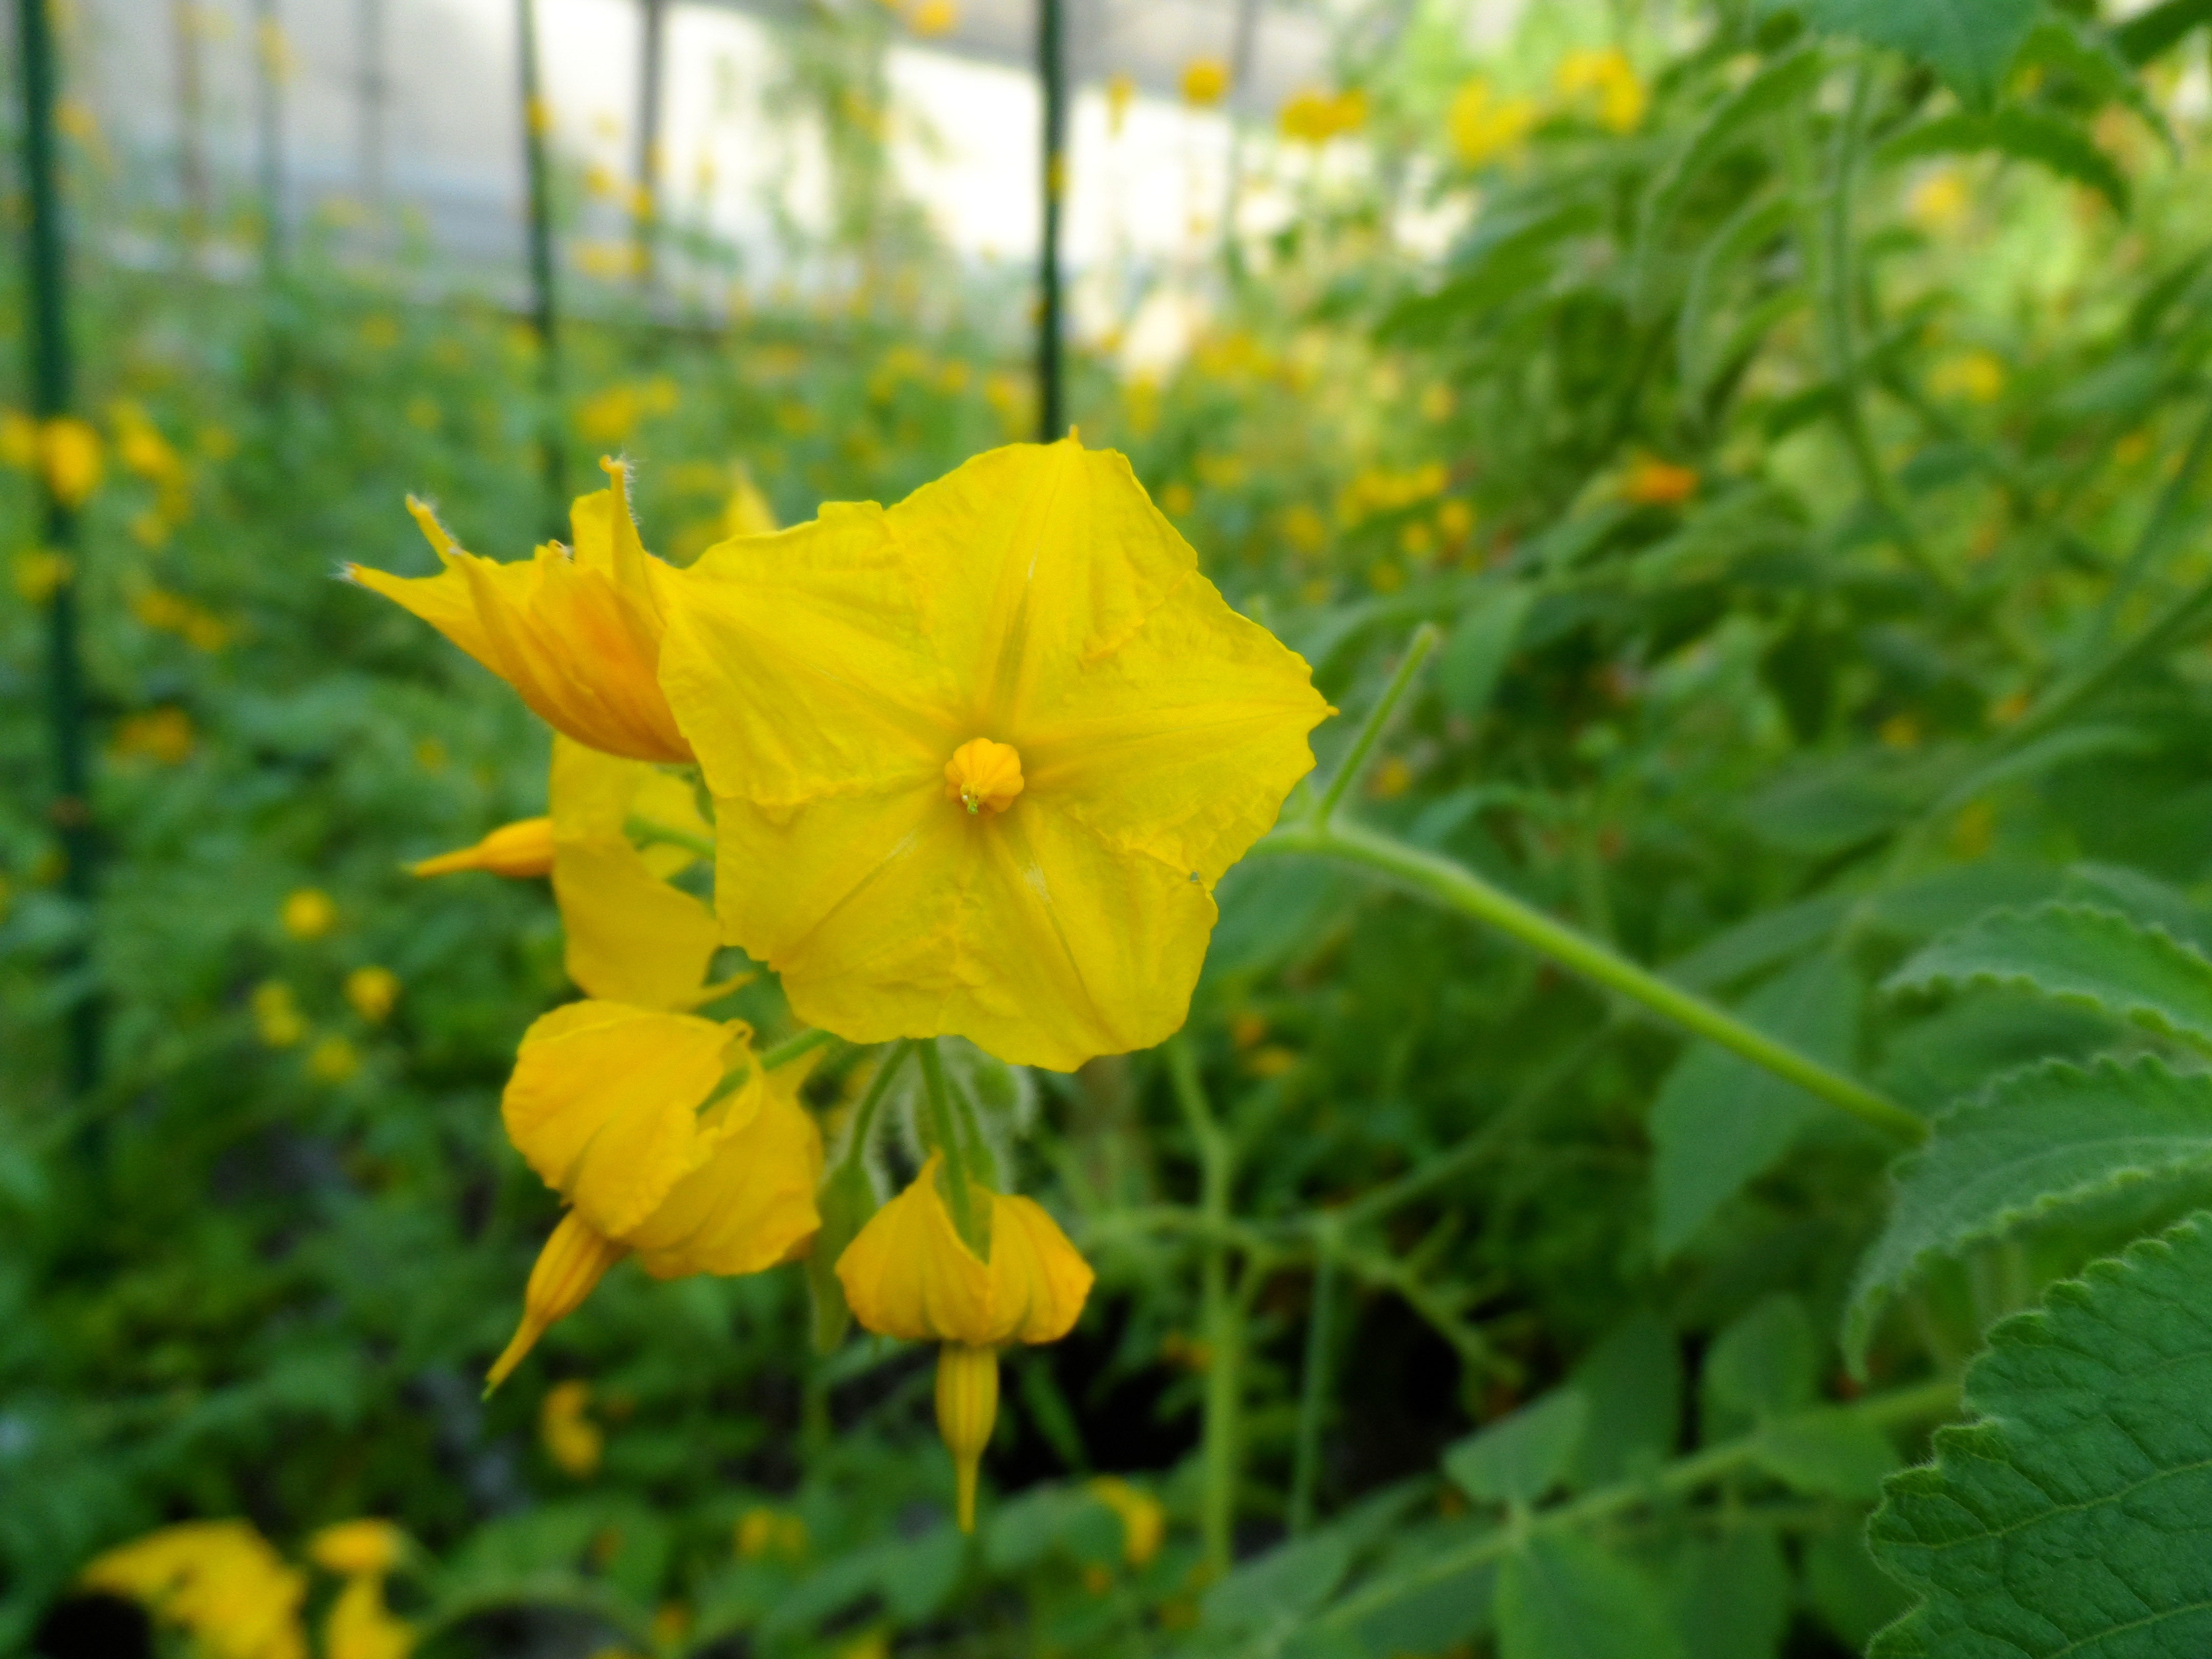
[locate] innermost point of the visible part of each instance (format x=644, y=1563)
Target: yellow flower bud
x=522, y=849
x=568, y=1269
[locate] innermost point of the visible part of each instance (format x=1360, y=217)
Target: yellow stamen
x=983, y=774
x=568, y=1268
x=967, y=1406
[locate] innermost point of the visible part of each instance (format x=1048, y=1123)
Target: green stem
x=648, y=832
x=879, y=1088
x=1218, y=1314
x=1417, y=651
x=1456, y=888
x=2154, y=531
x=795, y=1048
x=947, y=1132
x=1313, y=1383
x=1684, y=1474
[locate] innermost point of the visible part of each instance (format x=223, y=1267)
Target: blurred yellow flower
x=1177, y=499
x=140, y=447
x=1621, y=98
x=1143, y=1519
x=1650, y=482
x=761, y=1531
x=578, y=635
x=516, y=850
x=275, y=1015
x=1976, y=376
x=333, y=1060
x=1455, y=520
x=1901, y=730
x=424, y=412
x=160, y=734
x=566, y=1430
x=933, y=17
x=1314, y=115
x=869, y=1644
x=308, y=913
x=1304, y=529
x=1483, y=127
x=1939, y=202
x=909, y=1274
x=1035, y=596
x=360, y=1626
x=1121, y=93
x=70, y=459
x=1392, y=779
x=668, y=1138
x=172, y=613
x=430, y=755
x=380, y=331
x=353, y=1548
x=1436, y=403
x=19, y=439
x=372, y=991
x=1204, y=83
x=219, y=1580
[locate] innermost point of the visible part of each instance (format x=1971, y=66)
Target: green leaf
x=1969, y=42
x=1854, y=1597
x=2074, y=1515
x=1827, y=1453
x=1517, y=1459
x=1562, y=1597
x=1719, y=1120
x=1278, y=1588
x=1730, y=1595
x=2035, y=1143
x=1763, y=1366
x=2153, y=31
x=1475, y=655
x=2078, y=954
x=2027, y=135
x=1633, y=1382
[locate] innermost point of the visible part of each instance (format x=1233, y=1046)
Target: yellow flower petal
x=1035, y=599
x=603, y=1104
x=577, y=635
x=218, y=1579
x=567, y=1270
x=751, y=1204
x=360, y=1626
x=908, y=1275
x=353, y=1547
x=522, y=849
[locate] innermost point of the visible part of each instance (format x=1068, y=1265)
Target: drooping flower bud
x=568, y=1268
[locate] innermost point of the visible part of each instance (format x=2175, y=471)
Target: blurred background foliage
x=1795, y=414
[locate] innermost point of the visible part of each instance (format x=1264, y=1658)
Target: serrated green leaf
x=1827, y=1453
x=1562, y=1597
x=2027, y=135
x=2079, y=954
x=2074, y=1515
x=2036, y=1142
x=1517, y=1459
x=1969, y=42
x=1719, y=1121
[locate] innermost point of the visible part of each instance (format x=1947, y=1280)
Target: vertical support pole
x=373, y=87
x=47, y=279
x=1051, y=77
x=192, y=120
x=268, y=125
x=545, y=317
x=645, y=206
x=1243, y=49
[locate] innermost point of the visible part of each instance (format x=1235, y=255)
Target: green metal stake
x=544, y=316
x=1052, y=74
x=50, y=400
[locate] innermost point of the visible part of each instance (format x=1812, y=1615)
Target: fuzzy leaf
x=2037, y=1141
x=2079, y=954
x=2073, y=1516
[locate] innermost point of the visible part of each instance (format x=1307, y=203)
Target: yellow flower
x=1482, y=128
x=1653, y=482
x=1621, y=98
x=1976, y=376
x=1121, y=93
x=353, y=1548
x=219, y=1580
x=933, y=17
x=275, y=1017
x=909, y=1274
x=1204, y=83
x=667, y=1138
x=140, y=447
x=1035, y=599
x=761, y=1531
x=309, y=913
x=360, y=1626
x=571, y=1439
x=160, y=734
x=334, y=1059
x=70, y=459
x=577, y=634
x=1939, y=202
x=524, y=847
x=372, y=990
x=1142, y=1519
x=1314, y=115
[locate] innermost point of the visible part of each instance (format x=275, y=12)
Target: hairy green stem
x=1423, y=641
x=879, y=1086
x=1221, y=1315
x=1457, y=888
x=947, y=1133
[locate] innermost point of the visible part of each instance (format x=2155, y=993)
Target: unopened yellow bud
x=516, y=850
x=967, y=1406
x=568, y=1268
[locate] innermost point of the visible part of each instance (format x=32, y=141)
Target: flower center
x=983, y=774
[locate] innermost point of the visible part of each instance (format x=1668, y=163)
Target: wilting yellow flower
x=275, y=1017
x=909, y=1274
x=1205, y=82
x=1143, y=1520
x=1976, y=376
x=218, y=1579
x=334, y=1059
x=1483, y=127
x=667, y=1138
x=571, y=1439
x=1314, y=115
x=1621, y=98
x=577, y=634
x=70, y=459
x=1035, y=599
x=372, y=990
x=522, y=849
x=1653, y=482
x=360, y=1626
x=308, y=913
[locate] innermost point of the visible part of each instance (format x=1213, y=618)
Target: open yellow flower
x=668, y=1139
x=218, y=1579
x=576, y=633
x=979, y=760
x=909, y=1274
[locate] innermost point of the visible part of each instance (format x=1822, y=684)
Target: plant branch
x=1423, y=641
x=947, y=1135
x=1220, y=1315
x=795, y=1048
